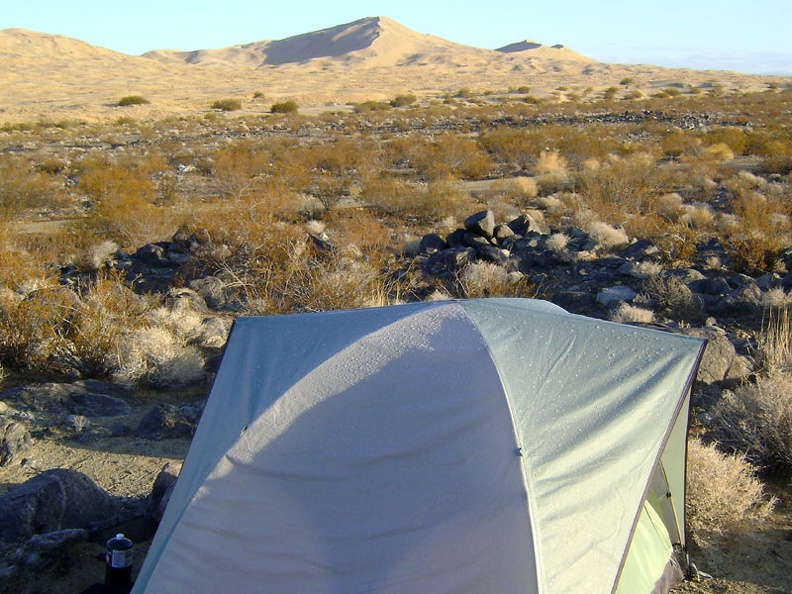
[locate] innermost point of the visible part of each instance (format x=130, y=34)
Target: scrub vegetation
x=300, y=212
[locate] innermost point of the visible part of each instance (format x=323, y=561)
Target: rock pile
x=582, y=275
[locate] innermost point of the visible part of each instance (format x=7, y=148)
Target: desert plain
x=60, y=101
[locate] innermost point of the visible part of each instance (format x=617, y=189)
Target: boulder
x=165, y=422
x=89, y=398
x=42, y=551
x=720, y=362
x=14, y=439
x=449, y=262
x=54, y=500
x=432, y=243
x=612, y=295
x=482, y=223
x=162, y=489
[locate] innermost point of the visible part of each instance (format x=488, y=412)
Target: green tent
x=493, y=445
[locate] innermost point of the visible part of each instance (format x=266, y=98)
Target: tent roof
x=503, y=430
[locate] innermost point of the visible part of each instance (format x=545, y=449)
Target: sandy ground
x=759, y=563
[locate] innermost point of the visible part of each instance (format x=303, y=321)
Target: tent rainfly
x=486, y=445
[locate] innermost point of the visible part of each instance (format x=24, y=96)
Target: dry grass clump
x=630, y=314
x=622, y=186
x=606, y=236
x=724, y=497
x=486, y=279
x=758, y=228
x=756, y=418
x=153, y=356
x=670, y=296
x=55, y=329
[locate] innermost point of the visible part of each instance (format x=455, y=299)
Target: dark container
x=118, y=560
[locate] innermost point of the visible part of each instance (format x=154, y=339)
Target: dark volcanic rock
x=54, y=500
x=165, y=422
x=482, y=223
x=89, y=398
x=14, y=439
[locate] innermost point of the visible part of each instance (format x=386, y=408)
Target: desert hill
x=537, y=50
x=370, y=42
x=52, y=77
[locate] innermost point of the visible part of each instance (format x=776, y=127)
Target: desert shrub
x=757, y=417
x=153, y=356
x=724, y=497
x=606, y=236
x=24, y=187
x=669, y=206
x=550, y=162
x=486, y=279
x=630, y=314
x=54, y=329
x=91, y=330
x=759, y=230
x=512, y=146
x=27, y=326
x=720, y=151
x=557, y=242
x=671, y=296
x=227, y=104
x=452, y=154
x=403, y=100
x=732, y=137
x=130, y=100
x=122, y=200
x=371, y=106
x=284, y=107
x=622, y=185
x=678, y=142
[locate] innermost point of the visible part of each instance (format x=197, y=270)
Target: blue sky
x=726, y=34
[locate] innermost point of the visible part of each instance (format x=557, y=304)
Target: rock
x=89, y=398
x=213, y=332
x=456, y=239
x=612, y=295
x=187, y=300
x=720, y=361
x=14, y=439
x=153, y=254
x=524, y=224
x=502, y=232
x=163, y=488
x=449, y=262
x=490, y=253
x=432, y=243
x=710, y=286
x=165, y=422
x=482, y=223
x=212, y=289
x=44, y=550
x=52, y=501
x=641, y=249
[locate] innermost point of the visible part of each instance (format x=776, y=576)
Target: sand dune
x=50, y=77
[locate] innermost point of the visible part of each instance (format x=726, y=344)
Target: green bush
x=227, y=104
x=132, y=100
x=284, y=107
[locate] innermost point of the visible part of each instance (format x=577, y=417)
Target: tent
x=491, y=445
